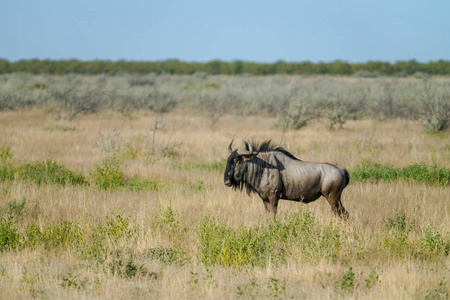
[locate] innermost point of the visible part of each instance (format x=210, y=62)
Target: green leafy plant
x=17, y=209
x=10, y=237
x=347, y=282
x=372, y=279
x=5, y=153
x=107, y=174
x=116, y=226
x=396, y=238
x=433, y=244
x=71, y=280
x=277, y=287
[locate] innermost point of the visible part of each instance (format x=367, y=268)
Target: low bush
x=107, y=174
x=10, y=237
x=49, y=172
x=40, y=173
x=418, y=172
x=346, y=283
x=7, y=171
x=370, y=170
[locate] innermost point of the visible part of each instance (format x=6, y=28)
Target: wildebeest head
x=236, y=165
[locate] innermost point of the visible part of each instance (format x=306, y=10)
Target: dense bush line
x=294, y=100
x=216, y=67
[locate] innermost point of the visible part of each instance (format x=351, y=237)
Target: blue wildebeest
x=274, y=174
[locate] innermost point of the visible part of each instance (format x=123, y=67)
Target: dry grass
x=42, y=273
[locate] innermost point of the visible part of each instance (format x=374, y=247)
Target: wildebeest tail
x=347, y=177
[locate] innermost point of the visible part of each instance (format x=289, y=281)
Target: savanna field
x=111, y=187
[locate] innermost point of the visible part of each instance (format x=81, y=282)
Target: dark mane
x=267, y=146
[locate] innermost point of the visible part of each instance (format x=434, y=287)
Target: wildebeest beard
x=266, y=146
x=241, y=184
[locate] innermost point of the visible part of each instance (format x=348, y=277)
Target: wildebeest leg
x=336, y=206
x=266, y=206
x=340, y=211
x=273, y=201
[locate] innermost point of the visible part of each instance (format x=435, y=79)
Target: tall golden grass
x=182, y=137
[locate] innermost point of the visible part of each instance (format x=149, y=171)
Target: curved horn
x=229, y=147
x=248, y=152
x=244, y=152
x=250, y=147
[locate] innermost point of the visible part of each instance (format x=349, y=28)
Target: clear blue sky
x=203, y=30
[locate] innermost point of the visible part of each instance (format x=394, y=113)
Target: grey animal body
x=274, y=173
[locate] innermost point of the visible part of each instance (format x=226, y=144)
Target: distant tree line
x=216, y=67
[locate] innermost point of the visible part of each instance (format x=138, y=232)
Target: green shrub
x=49, y=172
x=32, y=235
x=372, y=279
x=92, y=246
x=374, y=171
x=64, y=234
x=426, y=174
x=10, y=236
x=5, y=153
x=107, y=174
x=433, y=244
x=17, y=209
x=347, y=282
x=418, y=172
x=168, y=221
x=116, y=226
x=7, y=170
x=396, y=237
